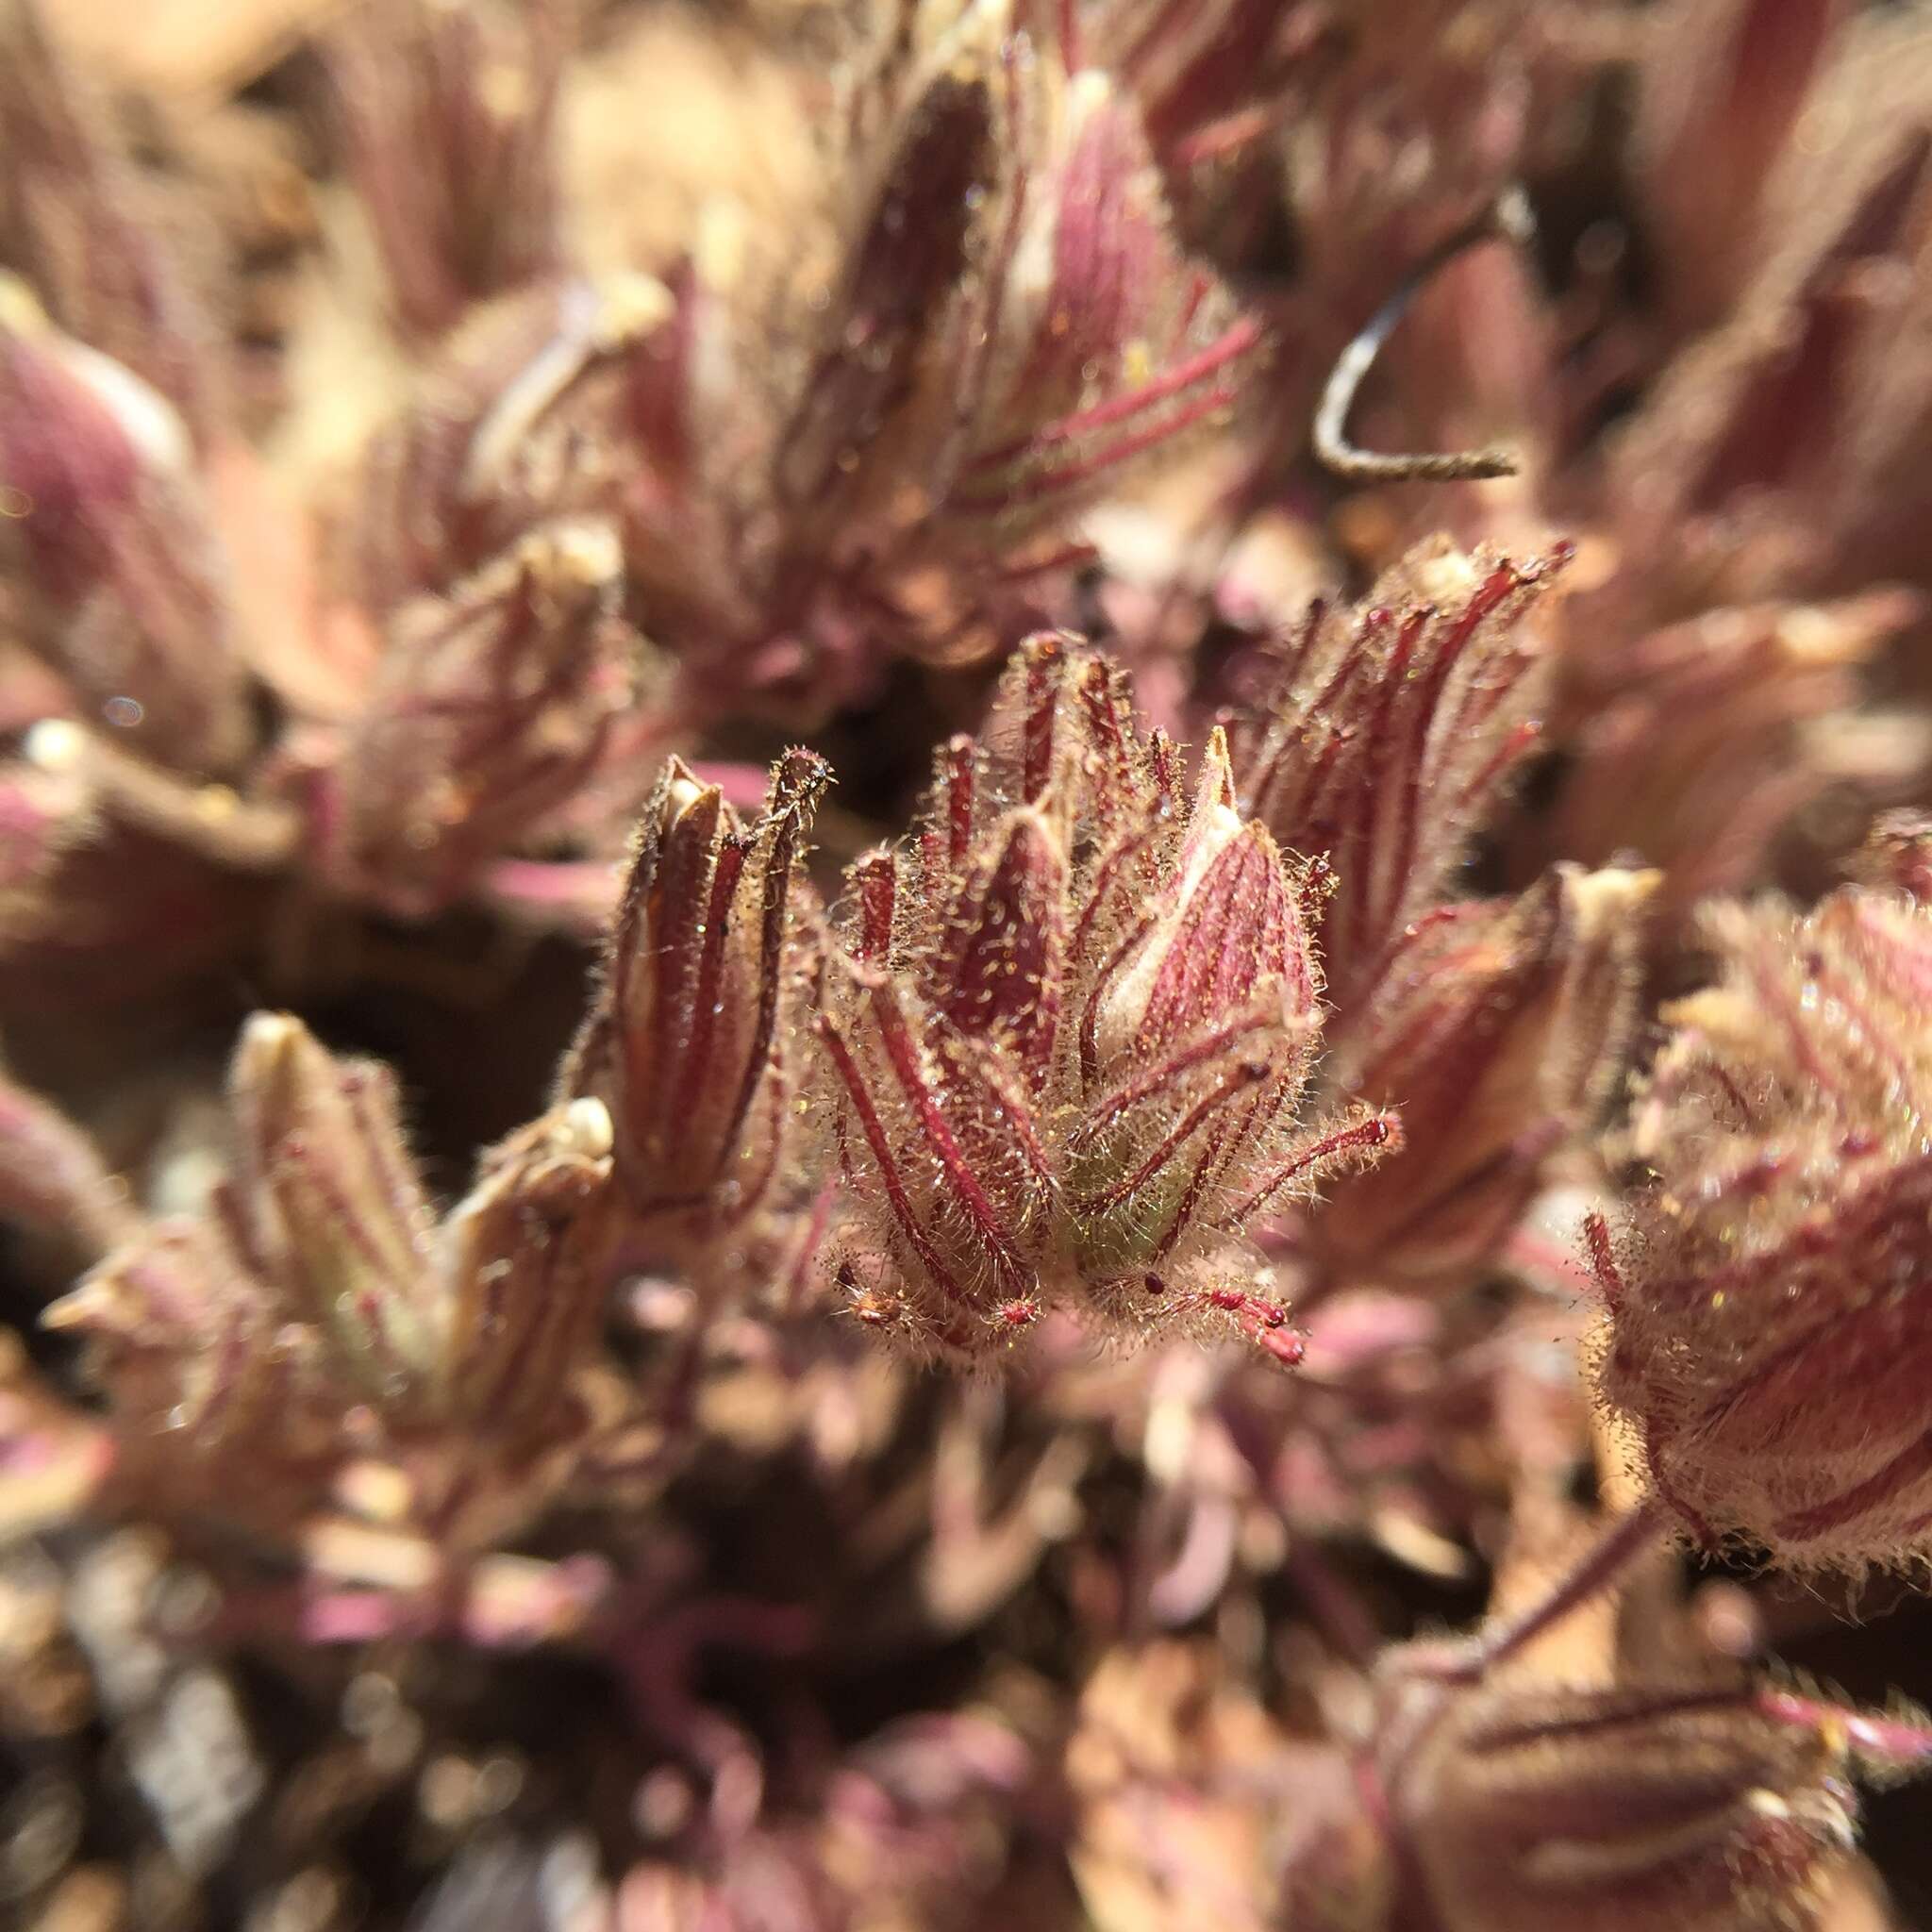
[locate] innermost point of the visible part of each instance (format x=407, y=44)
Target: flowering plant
x=905, y=905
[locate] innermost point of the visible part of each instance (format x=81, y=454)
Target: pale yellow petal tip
x=584, y=553
x=20, y=309
x=272, y=1032
x=1613, y=894
x=1443, y=574
x=630, y=305
x=1216, y=790
x=585, y=1129
x=84, y=1307
x=273, y=1042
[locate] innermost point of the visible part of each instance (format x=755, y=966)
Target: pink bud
x=491, y=707
x=1109, y=343
x=81, y=222
x=1497, y=1030
x=690, y=1046
x=1066, y=1044
x=1386, y=737
x=103, y=522
x=902, y=267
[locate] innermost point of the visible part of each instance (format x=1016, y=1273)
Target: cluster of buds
x=1739, y=529
x=782, y=473
x=213, y=704
x=1293, y=1041
x=320, y=1308
x=879, y=443
x=1766, y=1339
x=1068, y=1034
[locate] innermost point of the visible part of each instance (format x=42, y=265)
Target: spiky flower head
x=1767, y=1339
x=1383, y=739
x=1067, y=1037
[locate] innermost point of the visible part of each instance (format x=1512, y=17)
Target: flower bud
x=1065, y=1044
x=102, y=524
x=1496, y=1029
x=215, y=1396
x=1683, y=1807
x=1766, y=1332
x=1384, y=740
x=516, y=420
x=321, y=1308
x=522, y=1266
x=448, y=116
x=329, y=1202
x=1221, y=961
x=1109, y=344
x=490, y=708
x=690, y=1045
x=902, y=270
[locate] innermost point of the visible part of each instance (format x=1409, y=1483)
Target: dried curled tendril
x=1507, y=218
